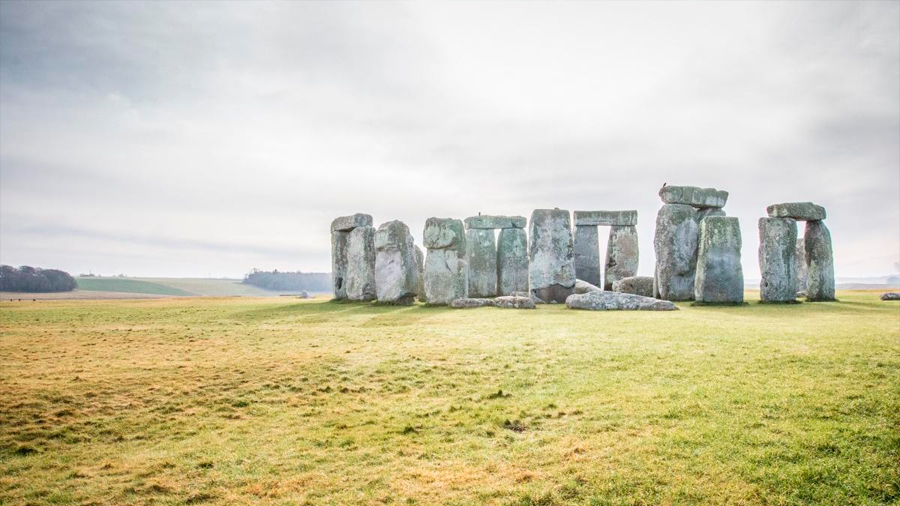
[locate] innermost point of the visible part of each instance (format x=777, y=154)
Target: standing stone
x=621, y=255
x=777, y=262
x=675, y=244
x=512, y=261
x=587, y=254
x=339, y=241
x=361, y=264
x=552, y=269
x=481, y=255
x=446, y=272
x=420, y=267
x=800, y=262
x=396, y=273
x=720, y=278
x=819, y=262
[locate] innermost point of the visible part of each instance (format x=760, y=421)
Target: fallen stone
x=510, y=302
x=797, y=210
x=339, y=242
x=890, y=296
x=361, y=264
x=693, y=196
x=469, y=303
x=636, y=285
x=614, y=301
x=720, y=278
x=777, y=247
x=446, y=276
x=512, y=261
x=492, y=222
x=420, y=266
x=582, y=286
x=622, y=255
x=801, y=269
x=587, y=254
x=819, y=262
x=605, y=218
x=396, y=272
x=348, y=223
x=675, y=244
x=445, y=233
x=551, y=268
x=481, y=255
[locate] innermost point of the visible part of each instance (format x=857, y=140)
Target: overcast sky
x=209, y=138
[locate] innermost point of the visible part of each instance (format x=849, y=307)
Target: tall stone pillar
x=622, y=255
x=420, y=266
x=396, y=273
x=551, y=269
x=446, y=272
x=675, y=244
x=720, y=277
x=481, y=255
x=341, y=229
x=587, y=254
x=819, y=262
x=800, y=262
x=777, y=262
x=512, y=261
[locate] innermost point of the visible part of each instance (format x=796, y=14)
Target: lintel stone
x=605, y=218
x=803, y=211
x=491, y=222
x=348, y=223
x=693, y=196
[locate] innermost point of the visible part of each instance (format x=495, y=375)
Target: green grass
x=217, y=287
x=273, y=401
x=127, y=285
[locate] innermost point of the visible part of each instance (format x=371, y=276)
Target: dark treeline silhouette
x=274, y=280
x=30, y=279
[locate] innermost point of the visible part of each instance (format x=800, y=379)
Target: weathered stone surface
x=605, y=218
x=396, y=272
x=551, y=269
x=582, y=286
x=801, y=270
x=446, y=276
x=622, y=255
x=445, y=233
x=420, y=266
x=481, y=255
x=890, y=296
x=360, y=281
x=720, y=278
x=512, y=261
x=587, y=254
x=797, y=210
x=339, y=242
x=693, y=196
x=512, y=302
x=348, y=223
x=675, y=244
x=636, y=285
x=552, y=294
x=709, y=211
x=777, y=248
x=819, y=262
x=614, y=301
x=469, y=303
x=492, y=222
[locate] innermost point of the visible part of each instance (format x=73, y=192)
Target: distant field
x=127, y=285
x=216, y=287
x=287, y=402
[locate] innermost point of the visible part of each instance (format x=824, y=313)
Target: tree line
x=33, y=279
x=286, y=281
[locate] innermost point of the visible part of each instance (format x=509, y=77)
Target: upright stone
x=420, y=267
x=819, y=262
x=396, y=273
x=675, y=244
x=339, y=241
x=587, y=254
x=512, y=261
x=481, y=255
x=446, y=272
x=552, y=269
x=361, y=264
x=800, y=262
x=777, y=262
x=622, y=255
x=720, y=278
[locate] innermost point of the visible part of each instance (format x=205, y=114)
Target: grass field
x=274, y=401
x=127, y=285
x=215, y=287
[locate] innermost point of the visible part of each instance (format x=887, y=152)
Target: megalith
x=699, y=198
x=420, y=267
x=361, y=264
x=587, y=254
x=396, y=272
x=622, y=254
x=800, y=262
x=720, y=278
x=512, y=261
x=341, y=228
x=481, y=256
x=777, y=262
x=819, y=262
x=551, y=269
x=675, y=244
x=446, y=272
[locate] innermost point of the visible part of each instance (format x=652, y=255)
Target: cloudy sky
x=209, y=138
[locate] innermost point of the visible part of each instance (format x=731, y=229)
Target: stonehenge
x=587, y=254
x=622, y=246
x=551, y=269
x=446, y=272
x=396, y=269
x=720, y=277
x=621, y=254
x=353, y=257
x=512, y=261
x=777, y=259
x=819, y=262
x=497, y=267
x=481, y=255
